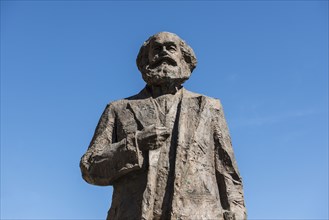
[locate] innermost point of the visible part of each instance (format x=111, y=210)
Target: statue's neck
x=160, y=90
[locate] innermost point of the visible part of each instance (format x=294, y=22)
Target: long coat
x=206, y=183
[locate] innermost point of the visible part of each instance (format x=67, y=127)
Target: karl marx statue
x=166, y=151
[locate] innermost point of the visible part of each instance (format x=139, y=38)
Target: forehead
x=164, y=38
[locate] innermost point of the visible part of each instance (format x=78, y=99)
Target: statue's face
x=166, y=64
x=165, y=49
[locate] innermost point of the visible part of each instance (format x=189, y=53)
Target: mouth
x=161, y=60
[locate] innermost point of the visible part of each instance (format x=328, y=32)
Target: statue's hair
x=188, y=53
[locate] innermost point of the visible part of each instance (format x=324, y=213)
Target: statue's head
x=165, y=59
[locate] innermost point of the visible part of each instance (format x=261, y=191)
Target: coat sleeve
x=228, y=178
x=105, y=160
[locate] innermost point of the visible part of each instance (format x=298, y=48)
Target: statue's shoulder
x=117, y=103
x=143, y=94
x=122, y=103
x=213, y=102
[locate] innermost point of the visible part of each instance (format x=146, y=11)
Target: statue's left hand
x=152, y=137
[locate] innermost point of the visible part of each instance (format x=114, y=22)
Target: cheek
x=152, y=56
x=178, y=55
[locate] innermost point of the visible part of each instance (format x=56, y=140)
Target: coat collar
x=190, y=110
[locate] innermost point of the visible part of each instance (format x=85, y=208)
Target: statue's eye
x=172, y=48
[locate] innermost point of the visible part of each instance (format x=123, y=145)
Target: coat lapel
x=144, y=113
x=143, y=109
x=192, y=108
x=191, y=112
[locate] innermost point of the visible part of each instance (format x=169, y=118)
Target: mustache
x=160, y=60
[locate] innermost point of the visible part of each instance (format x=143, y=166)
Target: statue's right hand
x=151, y=137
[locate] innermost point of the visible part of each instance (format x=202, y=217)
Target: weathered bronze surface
x=166, y=151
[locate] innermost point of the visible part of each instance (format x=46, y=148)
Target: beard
x=166, y=73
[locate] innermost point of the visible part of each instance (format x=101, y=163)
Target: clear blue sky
x=63, y=61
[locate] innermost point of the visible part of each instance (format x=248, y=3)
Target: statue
x=166, y=151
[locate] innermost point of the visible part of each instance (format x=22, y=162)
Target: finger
x=151, y=135
x=163, y=136
x=166, y=134
x=161, y=128
x=151, y=127
x=162, y=132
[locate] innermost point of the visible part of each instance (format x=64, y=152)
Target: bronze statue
x=166, y=151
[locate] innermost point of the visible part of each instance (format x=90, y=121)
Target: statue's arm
x=107, y=159
x=228, y=178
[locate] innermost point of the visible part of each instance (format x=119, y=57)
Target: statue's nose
x=163, y=51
